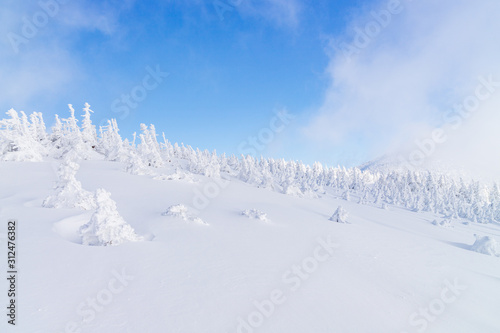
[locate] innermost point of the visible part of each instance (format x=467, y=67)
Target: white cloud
x=407, y=75
x=40, y=63
x=102, y=16
x=36, y=74
x=283, y=13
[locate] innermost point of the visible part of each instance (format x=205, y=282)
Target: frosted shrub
x=255, y=214
x=176, y=211
x=69, y=191
x=340, y=215
x=181, y=211
x=106, y=226
x=136, y=166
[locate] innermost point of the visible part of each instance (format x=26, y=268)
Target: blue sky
x=229, y=74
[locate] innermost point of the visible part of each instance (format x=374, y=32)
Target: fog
x=395, y=77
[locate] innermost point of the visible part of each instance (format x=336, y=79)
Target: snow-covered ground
x=386, y=270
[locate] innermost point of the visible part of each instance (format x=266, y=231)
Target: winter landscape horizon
x=252, y=166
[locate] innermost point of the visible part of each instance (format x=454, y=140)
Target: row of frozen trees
x=24, y=138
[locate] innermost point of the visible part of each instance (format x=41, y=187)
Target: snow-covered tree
x=68, y=191
x=71, y=138
x=340, y=215
x=89, y=134
x=135, y=166
x=149, y=149
x=38, y=128
x=111, y=143
x=26, y=139
x=18, y=140
x=106, y=226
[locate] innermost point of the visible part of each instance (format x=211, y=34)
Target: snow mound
x=255, y=214
x=486, y=245
x=443, y=223
x=106, y=226
x=340, y=215
x=181, y=211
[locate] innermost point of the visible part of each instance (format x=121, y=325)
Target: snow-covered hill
x=23, y=139
x=190, y=241
x=400, y=163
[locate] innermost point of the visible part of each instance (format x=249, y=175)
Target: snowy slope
x=387, y=270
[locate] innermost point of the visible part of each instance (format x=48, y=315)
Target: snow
x=486, y=245
x=389, y=270
x=443, y=223
x=255, y=214
x=181, y=211
x=69, y=191
x=386, y=266
x=422, y=190
x=106, y=226
x=340, y=215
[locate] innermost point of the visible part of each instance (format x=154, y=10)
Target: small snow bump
x=443, y=223
x=181, y=211
x=486, y=245
x=255, y=214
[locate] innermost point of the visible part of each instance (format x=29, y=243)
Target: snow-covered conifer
x=69, y=191
x=106, y=226
x=111, y=143
x=17, y=141
x=340, y=215
x=89, y=134
x=135, y=165
x=148, y=149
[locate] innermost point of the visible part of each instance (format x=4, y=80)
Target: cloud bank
x=400, y=68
